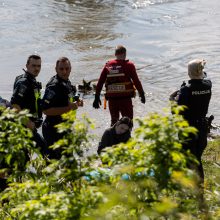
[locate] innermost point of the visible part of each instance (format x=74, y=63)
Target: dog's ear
x=84, y=82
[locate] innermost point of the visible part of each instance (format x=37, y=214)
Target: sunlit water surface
x=163, y=33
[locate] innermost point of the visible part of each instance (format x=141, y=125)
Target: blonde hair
x=195, y=68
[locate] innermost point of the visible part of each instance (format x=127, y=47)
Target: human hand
x=97, y=102
x=80, y=102
x=174, y=96
x=73, y=105
x=31, y=125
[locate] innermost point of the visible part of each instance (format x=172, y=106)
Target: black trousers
x=51, y=136
x=40, y=142
x=197, y=143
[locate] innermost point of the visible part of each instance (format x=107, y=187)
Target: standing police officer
x=120, y=77
x=196, y=97
x=59, y=98
x=26, y=95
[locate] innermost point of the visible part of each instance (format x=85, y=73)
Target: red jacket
x=119, y=77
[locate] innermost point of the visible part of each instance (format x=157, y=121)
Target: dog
x=86, y=86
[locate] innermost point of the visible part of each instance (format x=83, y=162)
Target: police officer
x=196, y=96
x=26, y=95
x=120, y=77
x=59, y=98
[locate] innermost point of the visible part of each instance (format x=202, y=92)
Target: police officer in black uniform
x=26, y=95
x=59, y=98
x=196, y=96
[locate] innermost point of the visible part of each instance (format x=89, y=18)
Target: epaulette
x=53, y=81
x=18, y=78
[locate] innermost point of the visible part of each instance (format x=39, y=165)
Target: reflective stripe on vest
x=118, y=84
x=115, y=75
x=37, y=96
x=71, y=97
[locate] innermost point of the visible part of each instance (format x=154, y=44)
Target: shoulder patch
x=21, y=90
x=49, y=96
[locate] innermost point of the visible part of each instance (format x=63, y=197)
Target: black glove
x=142, y=96
x=97, y=102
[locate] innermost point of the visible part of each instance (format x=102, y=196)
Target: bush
x=15, y=143
x=146, y=178
x=55, y=189
x=150, y=177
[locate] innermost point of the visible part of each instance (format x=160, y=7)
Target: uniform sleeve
x=183, y=98
x=125, y=137
x=208, y=82
x=135, y=79
x=104, y=141
x=102, y=80
x=21, y=89
x=49, y=98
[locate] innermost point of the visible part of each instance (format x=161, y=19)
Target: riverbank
x=211, y=163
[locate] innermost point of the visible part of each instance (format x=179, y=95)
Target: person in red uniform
x=120, y=78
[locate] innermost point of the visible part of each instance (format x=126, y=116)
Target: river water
x=165, y=34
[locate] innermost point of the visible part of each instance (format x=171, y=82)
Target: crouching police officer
x=26, y=95
x=59, y=98
x=196, y=96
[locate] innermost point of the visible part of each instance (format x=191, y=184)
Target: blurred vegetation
x=146, y=178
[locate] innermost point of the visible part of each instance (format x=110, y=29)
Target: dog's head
x=85, y=87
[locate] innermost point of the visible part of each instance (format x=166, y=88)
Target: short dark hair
x=120, y=50
x=125, y=120
x=62, y=60
x=33, y=56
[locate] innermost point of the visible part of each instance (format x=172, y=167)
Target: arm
x=135, y=79
x=50, y=102
x=104, y=141
x=97, y=102
x=30, y=124
x=18, y=98
x=126, y=136
x=174, y=96
x=53, y=111
x=102, y=80
x=183, y=98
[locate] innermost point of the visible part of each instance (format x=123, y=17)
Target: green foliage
x=211, y=161
x=150, y=177
x=39, y=200
x=146, y=178
x=15, y=141
x=75, y=141
x=55, y=190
